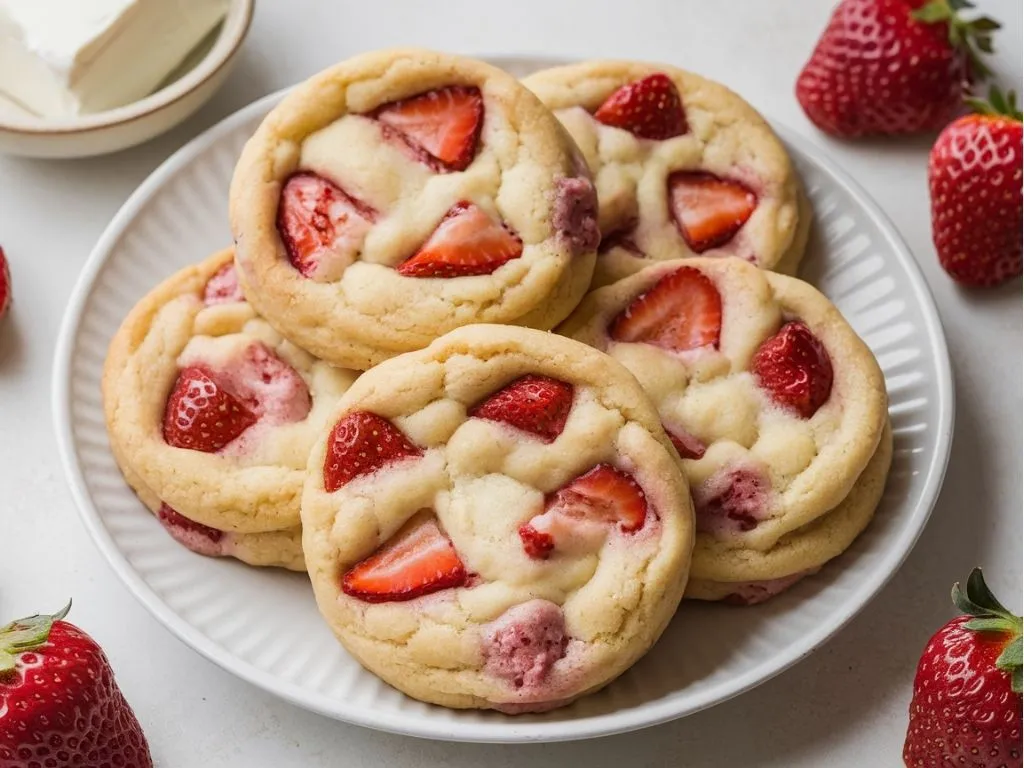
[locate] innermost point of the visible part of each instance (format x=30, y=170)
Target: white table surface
x=845, y=705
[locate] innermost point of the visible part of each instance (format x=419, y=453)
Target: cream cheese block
x=63, y=58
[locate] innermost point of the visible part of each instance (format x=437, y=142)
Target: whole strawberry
x=892, y=66
x=974, y=176
x=5, y=285
x=966, y=709
x=59, y=703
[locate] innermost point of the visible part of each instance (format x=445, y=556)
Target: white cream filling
x=62, y=58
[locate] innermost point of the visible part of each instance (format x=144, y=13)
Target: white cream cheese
x=61, y=58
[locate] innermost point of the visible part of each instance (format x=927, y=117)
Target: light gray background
x=843, y=706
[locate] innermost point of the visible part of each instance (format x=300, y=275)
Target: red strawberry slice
x=466, y=242
x=172, y=518
x=201, y=415
x=793, y=366
x=5, y=285
x=537, y=544
x=362, y=443
x=709, y=211
x=649, y=108
x=682, y=311
x=606, y=494
x=535, y=404
x=319, y=224
x=419, y=560
x=602, y=495
x=689, y=446
x=197, y=537
x=223, y=287
x=443, y=125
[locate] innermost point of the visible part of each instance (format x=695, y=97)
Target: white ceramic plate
x=263, y=625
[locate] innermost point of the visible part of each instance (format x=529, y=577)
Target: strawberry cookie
x=682, y=166
x=497, y=521
x=748, y=576
x=404, y=193
x=211, y=415
x=775, y=406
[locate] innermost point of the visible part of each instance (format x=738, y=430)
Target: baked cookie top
x=497, y=520
x=683, y=166
x=209, y=409
x=404, y=193
x=773, y=402
x=749, y=576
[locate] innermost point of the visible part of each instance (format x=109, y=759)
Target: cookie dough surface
x=356, y=308
x=519, y=632
x=758, y=469
x=253, y=484
x=724, y=136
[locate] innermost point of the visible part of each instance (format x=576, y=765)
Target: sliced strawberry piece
x=689, y=446
x=605, y=494
x=794, y=368
x=201, y=539
x=362, y=443
x=577, y=516
x=223, y=287
x=173, y=519
x=466, y=242
x=535, y=404
x=682, y=311
x=709, y=211
x=322, y=227
x=201, y=415
x=537, y=544
x=649, y=108
x=443, y=125
x=419, y=560
x=5, y=285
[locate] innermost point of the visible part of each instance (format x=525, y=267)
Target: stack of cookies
x=367, y=386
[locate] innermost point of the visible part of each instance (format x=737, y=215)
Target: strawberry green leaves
x=989, y=615
x=972, y=36
x=25, y=635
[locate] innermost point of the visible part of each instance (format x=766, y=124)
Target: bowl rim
x=654, y=712
x=236, y=25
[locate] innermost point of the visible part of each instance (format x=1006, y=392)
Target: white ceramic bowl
x=22, y=133
x=264, y=626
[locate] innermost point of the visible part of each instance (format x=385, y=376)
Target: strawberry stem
x=992, y=616
x=973, y=37
x=26, y=635
x=998, y=104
